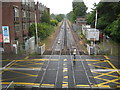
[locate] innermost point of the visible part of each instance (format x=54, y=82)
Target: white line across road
x=104, y=70
x=37, y=69
x=8, y=64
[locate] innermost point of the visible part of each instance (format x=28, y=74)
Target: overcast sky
x=64, y=6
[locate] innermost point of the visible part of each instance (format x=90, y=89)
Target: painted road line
x=26, y=69
x=22, y=65
x=101, y=67
x=107, y=81
x=82, y=85
x=113, y=66
x=15, y=78
x=9, y=64
x=8, y=67
x=48, y=85
x=65, y=76
x=104, y=74
x=26, y=57
x=23, y=73
x=106, y=57
x=21, y=83
x=104, y=70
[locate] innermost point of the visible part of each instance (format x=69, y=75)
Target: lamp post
x=94, y=32
x=36, y=29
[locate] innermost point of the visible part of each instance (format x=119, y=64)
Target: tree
x=44, y=30
x=45, y=17
x=108, y=18
x=79, y=9
x=59, y=17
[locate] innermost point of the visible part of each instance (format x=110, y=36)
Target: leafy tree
x=44, y=30
x=70, y=16
x=45, y=17
x=59, y=17
x=79, y=9
x=54, y=22
x=108, y=18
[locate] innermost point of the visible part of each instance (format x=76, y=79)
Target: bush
x=54, y=22
x=44, y=30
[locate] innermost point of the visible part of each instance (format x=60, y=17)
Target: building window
x=16, y=12
x=23, y=13
x=16, y=15
x=17, y=27
x=24, y=2
x=23, y=26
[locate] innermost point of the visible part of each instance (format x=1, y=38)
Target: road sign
x=1, y=40
x=6, y=36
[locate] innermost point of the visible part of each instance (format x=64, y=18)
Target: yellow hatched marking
x=102, y=67
x=107, y=75
x=97, y=85
x=108, y=81
x=65, y=59
x=21, y=83
x=65, y=70
x=96, y=62
x=53, y=59
x=23, y=65
x=106, y=57
x=27, y=57
x=65, y=85
x=113, y=67
x=48, y=85
x=8, y=67
x=103, y=74
x=82, y=85
x=15, y=78
x=65, y=76
x=23, y=73
x=65, y=82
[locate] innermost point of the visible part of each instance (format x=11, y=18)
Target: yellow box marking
x=65, y=76
x=8, y=67
x=82, y=85
x=15, y=78
x=65, y=59
x=65, y=70
x=48, y=85
x=26, y=57
x=65, y=82
x=106, y=57
x=64, y=85
x=103, y=74
x=107, y=81
x=24, y=73
x=113, y=67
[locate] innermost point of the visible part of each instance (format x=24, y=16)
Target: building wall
x=26, y=18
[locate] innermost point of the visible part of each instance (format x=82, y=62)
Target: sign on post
x=1, y=38
x=6, y=36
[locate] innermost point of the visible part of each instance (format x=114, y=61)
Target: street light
x=36, y=29
x=94, y=31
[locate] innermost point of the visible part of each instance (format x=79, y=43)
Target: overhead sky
x=64, y=6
